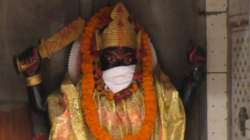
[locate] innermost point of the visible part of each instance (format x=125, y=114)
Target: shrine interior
x=174, y=26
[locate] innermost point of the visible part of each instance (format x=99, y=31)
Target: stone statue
x=114, y=88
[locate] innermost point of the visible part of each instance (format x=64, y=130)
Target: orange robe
x=119, y=119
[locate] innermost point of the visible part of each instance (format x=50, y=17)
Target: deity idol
x=114, y=88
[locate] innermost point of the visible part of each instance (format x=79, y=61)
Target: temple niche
x=174, y=27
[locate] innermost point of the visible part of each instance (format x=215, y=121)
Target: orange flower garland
x=88, y=82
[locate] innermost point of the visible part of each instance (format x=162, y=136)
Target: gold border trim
x=34, y=80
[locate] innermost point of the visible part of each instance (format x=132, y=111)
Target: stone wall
x=24, y=23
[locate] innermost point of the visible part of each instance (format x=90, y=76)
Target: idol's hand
x=28, y=62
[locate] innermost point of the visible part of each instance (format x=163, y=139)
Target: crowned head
x=120, y=32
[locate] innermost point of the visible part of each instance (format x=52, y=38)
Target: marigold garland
x=88, y=82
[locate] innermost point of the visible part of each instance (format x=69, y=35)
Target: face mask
x=118, y=78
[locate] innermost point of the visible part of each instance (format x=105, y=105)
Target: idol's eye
x=128, y=61
x=109, y=58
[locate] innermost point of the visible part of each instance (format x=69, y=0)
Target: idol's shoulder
x=165, y=90
x=161, y=79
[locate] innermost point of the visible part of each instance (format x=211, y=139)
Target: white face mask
x=118, y=78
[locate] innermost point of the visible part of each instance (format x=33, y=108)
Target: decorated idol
x=114, y=88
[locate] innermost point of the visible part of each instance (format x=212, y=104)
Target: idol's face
x=117, y=56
